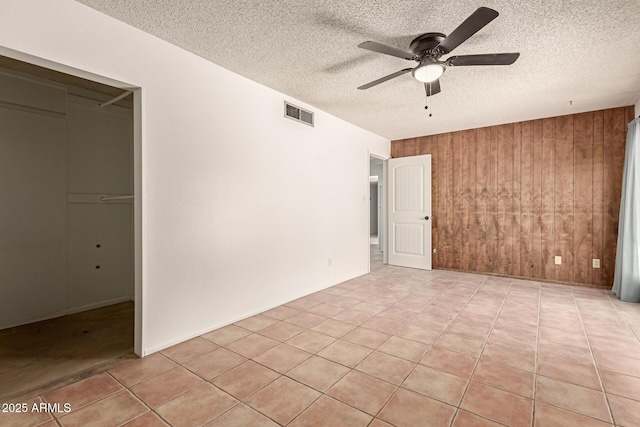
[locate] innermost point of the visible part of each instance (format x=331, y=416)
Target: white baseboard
x=33, y=320
x=98, y=304
x=69, y=311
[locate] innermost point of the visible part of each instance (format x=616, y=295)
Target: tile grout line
x=56, y=417
x=475, y=366
x=455, y=414
x=398, y=387
x=609, y=300
x=205, y=381
x=593, y=359
x=535, y=366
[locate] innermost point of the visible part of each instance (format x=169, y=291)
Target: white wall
x=99, y=162
x=219, y=162
x=637, y=108
x=32, y=202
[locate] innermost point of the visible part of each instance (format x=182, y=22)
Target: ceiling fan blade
x=432, y=88
x=485, y=59
x=474, y=23
x=385, y=78
x=387, y=50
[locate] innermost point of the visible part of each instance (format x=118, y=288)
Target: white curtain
x=626, y=282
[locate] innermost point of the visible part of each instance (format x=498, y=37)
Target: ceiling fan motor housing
x=425, y=45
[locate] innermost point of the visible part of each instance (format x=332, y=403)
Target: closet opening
x=68, y=257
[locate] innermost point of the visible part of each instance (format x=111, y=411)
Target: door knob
x=426, y=218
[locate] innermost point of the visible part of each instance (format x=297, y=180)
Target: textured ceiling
x=583, y=51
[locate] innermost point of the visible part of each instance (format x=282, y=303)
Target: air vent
x=298, y=114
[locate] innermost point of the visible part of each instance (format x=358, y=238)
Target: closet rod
x=107, y=198
x=116, y=99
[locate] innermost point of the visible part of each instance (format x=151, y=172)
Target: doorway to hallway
x=376, y=213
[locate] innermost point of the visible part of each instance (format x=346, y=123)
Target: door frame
x=139, y=294
x=382, y=198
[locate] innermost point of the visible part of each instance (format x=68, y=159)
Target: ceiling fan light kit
x=428, y=48
x=428, y=71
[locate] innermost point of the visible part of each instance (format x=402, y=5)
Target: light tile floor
x=397, y=347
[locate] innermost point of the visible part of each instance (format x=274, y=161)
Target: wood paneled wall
x=507, y=199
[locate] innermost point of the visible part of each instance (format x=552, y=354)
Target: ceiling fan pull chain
x=427, y=91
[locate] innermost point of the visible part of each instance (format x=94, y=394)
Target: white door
x=410, y=212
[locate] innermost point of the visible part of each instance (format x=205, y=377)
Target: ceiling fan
x=428, y=48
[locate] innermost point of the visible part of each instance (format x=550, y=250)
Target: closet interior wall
x=62, y=248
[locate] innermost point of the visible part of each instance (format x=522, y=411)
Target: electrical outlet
x=329, y=262
x=596, y=263
x=558, y=260
x=434, y=250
